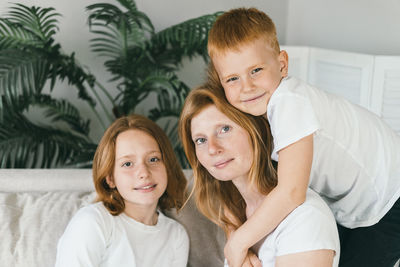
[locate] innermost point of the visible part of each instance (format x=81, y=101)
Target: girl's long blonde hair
x=214, y=198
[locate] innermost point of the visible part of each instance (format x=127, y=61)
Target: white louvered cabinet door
x=342, y=73
x=385, y=97
x=298, y=61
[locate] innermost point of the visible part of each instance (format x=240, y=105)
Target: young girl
x=136, y=176
x=229, y=152
x=342, y=151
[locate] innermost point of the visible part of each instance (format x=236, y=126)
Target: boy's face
x=250, y=75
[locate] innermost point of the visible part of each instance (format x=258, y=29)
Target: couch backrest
x=37, y=204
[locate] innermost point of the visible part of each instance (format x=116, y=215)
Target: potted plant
x=141, y=61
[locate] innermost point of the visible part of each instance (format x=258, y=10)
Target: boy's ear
x=110, y=181
x=284, y=63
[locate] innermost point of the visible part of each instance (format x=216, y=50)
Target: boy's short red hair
x=238, y=27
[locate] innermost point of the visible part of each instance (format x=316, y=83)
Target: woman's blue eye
x=200, y=141
x=256, y=70
x=225, y=128
x=232, y=79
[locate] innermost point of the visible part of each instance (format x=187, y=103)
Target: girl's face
x=139, y=172
x=222, y=146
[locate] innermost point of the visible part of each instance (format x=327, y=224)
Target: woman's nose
x=214, y=147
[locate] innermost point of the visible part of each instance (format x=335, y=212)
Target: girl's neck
x=142, y=214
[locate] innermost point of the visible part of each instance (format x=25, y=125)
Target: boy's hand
x=251, y=260
x=234, y=254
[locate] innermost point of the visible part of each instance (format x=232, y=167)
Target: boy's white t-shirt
x=311, y=226
x=356, y=160
x=95, y=238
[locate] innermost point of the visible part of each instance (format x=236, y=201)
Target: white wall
x=364, y=26
x=74, y=34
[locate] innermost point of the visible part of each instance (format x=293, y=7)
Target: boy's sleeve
x=309, y=227
x=291, y=118
x=83, y=242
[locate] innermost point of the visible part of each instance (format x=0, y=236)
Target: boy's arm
x=294, y=169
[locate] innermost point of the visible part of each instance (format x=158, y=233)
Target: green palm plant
x=29, y=59
x=143, y=61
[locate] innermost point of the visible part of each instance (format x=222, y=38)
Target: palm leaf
x=21, y=73
x=41, y=22
x=45, y=146
x=12, y=35
x=60, y=110
x=25, y=144
x=188, y=38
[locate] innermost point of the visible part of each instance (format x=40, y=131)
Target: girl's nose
x=143, y=171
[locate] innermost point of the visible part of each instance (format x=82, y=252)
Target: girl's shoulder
x=92, y=214
x=172, y=225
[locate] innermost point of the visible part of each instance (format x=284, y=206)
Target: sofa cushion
x=36, y=205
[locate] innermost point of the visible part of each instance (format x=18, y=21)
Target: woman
x=233, y=174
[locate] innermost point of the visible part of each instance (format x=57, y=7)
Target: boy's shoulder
x=291, y=85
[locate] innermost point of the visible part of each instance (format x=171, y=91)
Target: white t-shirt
x=95, y=238
x=356, y=161
x=311, y=226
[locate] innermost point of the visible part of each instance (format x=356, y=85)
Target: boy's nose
x=247, y=84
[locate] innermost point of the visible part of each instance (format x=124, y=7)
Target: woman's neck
x=250, y=194
x=143, y=214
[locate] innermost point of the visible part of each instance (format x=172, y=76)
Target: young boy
x=342, y=151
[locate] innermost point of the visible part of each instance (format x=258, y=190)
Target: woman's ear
x=284, y=63
x=110, y=181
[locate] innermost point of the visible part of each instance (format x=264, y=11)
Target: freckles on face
x=221, y=145
x=139, y=172
x=249, y=75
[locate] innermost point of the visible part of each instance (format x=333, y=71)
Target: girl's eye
x=232, y=79
x=127, y=164
x=225, y=129
x=200, y=141
x=256, y=70
x=154, y=159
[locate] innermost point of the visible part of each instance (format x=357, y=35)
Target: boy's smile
x=250, y=74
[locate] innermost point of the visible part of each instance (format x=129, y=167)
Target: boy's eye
x=225, y=129
x=232, y=79
x=200, y=141
x=256, y=70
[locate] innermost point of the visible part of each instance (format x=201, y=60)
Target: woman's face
x=222, y=146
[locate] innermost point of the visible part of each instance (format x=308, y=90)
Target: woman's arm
x=293, y=176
